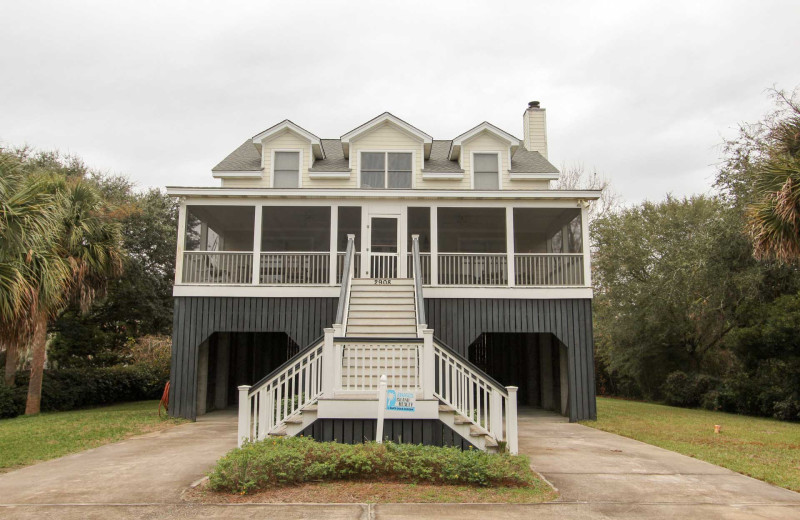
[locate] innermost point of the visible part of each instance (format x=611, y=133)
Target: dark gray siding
x=431, y=432
x=458, y=322
x=196, y=318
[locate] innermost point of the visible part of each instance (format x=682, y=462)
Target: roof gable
x=455, y=148
x=386, y=117
x=316, y=144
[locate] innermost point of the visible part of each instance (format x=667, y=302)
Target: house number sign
x=383, y=281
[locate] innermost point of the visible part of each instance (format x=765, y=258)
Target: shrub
x=70, y=388
x=682, y=389
x=277, y=462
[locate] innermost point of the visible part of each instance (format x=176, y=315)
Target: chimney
x=534, y=126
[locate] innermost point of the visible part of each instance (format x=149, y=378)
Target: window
x=486, y=170
x=287, y=170
x=385, y=170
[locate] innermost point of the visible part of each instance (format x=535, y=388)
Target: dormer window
x=486, y=169
x=386, y=170
x=286, y=170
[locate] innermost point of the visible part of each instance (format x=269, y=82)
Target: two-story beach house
x=450, y=266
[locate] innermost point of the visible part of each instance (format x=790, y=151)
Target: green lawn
x=27, y=440
x=765, y=449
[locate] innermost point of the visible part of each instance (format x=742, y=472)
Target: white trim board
x=358, y=193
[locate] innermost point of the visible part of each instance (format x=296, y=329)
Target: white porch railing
x=383, y=265
x=361, y=364
x=425, y=267
x=294, y=386
x=473, y=269
x=217, y=267
x=340, y=265
x=297, y=268
x=475, y=397
x=548, y=269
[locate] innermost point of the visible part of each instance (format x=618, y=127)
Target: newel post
x=496, y=413
x=244, y=414
x=511, y=420
x=328, y=364
x=428, y=365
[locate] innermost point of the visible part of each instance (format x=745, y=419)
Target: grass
x=27, y=440
x=765, y=449
x=374, y=492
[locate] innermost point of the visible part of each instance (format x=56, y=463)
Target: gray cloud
x=161, y=91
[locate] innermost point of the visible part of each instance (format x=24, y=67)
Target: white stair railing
x=267, y=405
x=473, y=395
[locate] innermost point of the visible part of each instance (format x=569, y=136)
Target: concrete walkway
x=599, y=475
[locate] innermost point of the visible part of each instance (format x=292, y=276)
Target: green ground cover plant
x=766, y=449
x=26, y=440
x=280, y=462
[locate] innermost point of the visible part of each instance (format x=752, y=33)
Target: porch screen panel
x=349, y=224
x=296, y=228
x=287, y=170
x=487, y=173
x=419, y=223
x=219, y=228
x=472, y=230
x=547, y=230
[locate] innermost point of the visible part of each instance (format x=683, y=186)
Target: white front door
x=382, y=250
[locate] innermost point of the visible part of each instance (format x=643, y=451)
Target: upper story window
x=486, y=169
x=386, y=170
x=286, y=170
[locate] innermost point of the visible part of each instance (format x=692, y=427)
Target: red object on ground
x=164, y=400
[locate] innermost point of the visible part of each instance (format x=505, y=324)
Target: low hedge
x=70, y=388
x=277, y=462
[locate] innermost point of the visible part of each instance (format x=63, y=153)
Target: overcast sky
x=162, y=91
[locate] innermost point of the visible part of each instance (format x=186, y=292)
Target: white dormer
x=387, y=119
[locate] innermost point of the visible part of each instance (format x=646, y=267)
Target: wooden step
x=383, y=321
x=363, y=300
x=394, y=281
x=295, y=419
x=380, y=335
x=386, y=307
x=446, y=409
x=460, y=419
x=280, y=432
x=363, y=313
x=489, y=442
x=383, y=288
x=477, y=431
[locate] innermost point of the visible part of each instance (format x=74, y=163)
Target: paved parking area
x=599, y=475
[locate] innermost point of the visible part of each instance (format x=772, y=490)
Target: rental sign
x=400, y=401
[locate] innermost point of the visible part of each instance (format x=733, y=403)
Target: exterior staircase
x=381, y=310
x=380, y=331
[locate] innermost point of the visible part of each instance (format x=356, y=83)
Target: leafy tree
x=671, y=281
x=761, y=174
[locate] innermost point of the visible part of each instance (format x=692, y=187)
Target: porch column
x=434, y=246
x=512, y=278
x=587, y=271
x=333, y=268
x=257, y=246
x=181, y=241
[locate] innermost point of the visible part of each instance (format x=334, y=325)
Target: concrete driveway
x=599, y=475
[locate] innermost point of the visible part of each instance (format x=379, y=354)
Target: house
x=450, y=266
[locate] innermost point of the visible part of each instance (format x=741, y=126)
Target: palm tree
x=26, y=226
x=774, y=221
x=76, y=267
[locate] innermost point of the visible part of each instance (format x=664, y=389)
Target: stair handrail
x=419, y=300
x=285, y=392
x=475, y=395
x=347, y=275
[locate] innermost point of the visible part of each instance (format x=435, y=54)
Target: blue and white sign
x=400, y=401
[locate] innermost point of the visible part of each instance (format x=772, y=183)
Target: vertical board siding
x=196, y=318
x=430, y=432
x=459, y=322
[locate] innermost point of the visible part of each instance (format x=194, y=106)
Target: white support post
x=333, y=270
x=512, y=277
x=496, y=414
x=181, y=242
x=381, y=409
x=587, y=270
x=257, y=246
x=328, y=364
x=428, y=365
x=337, y=368
x=511, y=420
x=434, y=246
x=244, y=415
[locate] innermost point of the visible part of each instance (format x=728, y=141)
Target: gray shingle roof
x=439, y=161
x=334, y=160
x=245, y=158
x=524, y=161
x=248, y=158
